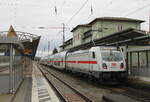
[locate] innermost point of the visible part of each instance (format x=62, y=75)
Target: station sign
x=27, y=51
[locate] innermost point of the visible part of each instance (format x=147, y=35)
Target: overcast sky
x=28, y=15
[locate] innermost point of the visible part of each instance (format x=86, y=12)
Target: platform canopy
x=125, y=37
x=29, y=41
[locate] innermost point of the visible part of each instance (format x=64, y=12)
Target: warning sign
x=11, y=32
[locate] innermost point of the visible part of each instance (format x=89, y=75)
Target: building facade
x=99, y=28
x=78, y=34
x=67, y=45
x=104, y=26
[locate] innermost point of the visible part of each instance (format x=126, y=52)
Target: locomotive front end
x=113, y=64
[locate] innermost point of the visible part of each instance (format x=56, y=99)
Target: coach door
x=91, y=59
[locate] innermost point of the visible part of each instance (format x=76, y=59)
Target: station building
x=98, y=28
x=115, y=31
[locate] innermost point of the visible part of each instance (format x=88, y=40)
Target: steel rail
x=130, y=92
x=61, y=97
x=72, y=88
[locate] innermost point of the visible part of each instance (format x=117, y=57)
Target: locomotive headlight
x=104, y=66
x=121, y=66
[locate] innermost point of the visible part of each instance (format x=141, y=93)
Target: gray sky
x=28, y=15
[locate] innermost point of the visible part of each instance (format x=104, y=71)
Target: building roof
x=11, y=40
x=27, y=40
x=108, y=19
x=69, y=41
x=128, y=36
x=81, y=25
x=116, y=19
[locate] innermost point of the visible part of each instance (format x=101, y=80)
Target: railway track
x=66, y=92
x=130, y=92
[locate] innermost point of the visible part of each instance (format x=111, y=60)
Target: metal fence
x=18, y=71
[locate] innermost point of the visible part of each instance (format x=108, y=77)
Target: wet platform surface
x=117, y=98
x=34, y=88
x=24, y=93
x=139, y=79
x=41, y=91
x=139, y=83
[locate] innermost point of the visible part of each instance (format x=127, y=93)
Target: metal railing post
x=11, y=68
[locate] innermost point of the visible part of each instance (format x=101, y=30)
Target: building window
x=148, y=58
x=134, y=59
x=142, y=59
x=120, y=27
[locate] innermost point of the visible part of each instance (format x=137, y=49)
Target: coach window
x=93, y=54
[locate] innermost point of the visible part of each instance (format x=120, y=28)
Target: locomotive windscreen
x=110, y=55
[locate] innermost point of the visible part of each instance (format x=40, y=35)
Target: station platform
x=34, y=88
x=41, y=91
x=142, y=79
x=117, y=98
x=139, y=80
x=139, y=83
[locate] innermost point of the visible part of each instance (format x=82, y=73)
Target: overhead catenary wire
x=62, y=4
x=137, y=10
x=83, y=5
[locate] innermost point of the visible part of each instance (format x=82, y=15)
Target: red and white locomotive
x=100, y=62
